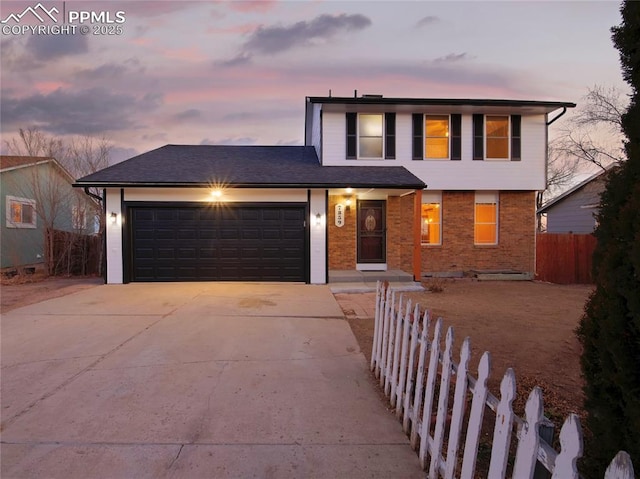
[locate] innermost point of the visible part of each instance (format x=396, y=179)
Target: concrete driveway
x=192, y=380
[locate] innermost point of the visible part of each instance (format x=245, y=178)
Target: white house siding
x=317, y=267
x=114, y=237
x=467, y=174
x=316, y=129
x=318, y=237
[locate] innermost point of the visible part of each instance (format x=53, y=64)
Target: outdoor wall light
x=349, y=190
x=217, y=193
x=318, y=219
x=348, y=203
x=114, y=217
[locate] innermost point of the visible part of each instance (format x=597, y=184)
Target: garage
x=219, y=242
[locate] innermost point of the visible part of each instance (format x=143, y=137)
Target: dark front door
x=371, y=232
x=222, y=242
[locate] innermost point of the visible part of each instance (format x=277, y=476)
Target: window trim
x=486, y=137
x=10, y=200
x=424, y=136
x=429, y=198
x=486, y=197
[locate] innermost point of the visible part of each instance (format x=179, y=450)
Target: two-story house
x=420, y=185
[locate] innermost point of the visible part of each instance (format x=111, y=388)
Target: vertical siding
x=114, y=238
x=527, y=174
x=318, y=238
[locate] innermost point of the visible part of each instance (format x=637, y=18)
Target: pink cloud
x=47, y=87
x=246, y=6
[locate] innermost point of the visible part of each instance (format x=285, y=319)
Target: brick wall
x=516, y=235
x=399, y=221
x=342, y=241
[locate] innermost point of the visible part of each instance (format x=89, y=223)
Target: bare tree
x=561, y=170
x=594, y=134
x=79, y=156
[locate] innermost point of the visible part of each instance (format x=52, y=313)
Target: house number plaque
x=339, y=215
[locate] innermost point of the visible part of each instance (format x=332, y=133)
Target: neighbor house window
x=21, y=212
x=431, y=218
x=486, y=218
x=436, y=137
x=370, y=135
x=497, y=137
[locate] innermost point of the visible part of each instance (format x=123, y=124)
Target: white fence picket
x=480, y=392
x=385, y=335
x=620, y=468
x=458, y=409
x=411, y=373
x=402, y=340
x=429, y=392
x=376, y=327
x=417, y=398
x=443, y=403
x=503, y=427
x=404, y=352
x=566, y=466
x=390, y=344
x=529, y=440
x=395, y=362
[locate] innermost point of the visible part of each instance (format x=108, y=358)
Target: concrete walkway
x=192, y=380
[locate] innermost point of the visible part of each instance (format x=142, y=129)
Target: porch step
x=352, y=281
x=490, y=275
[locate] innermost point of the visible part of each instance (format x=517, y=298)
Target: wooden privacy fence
x=408, y=364
x=564, y=258
x=72, y=253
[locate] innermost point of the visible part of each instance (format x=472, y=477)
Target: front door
x=371, y=232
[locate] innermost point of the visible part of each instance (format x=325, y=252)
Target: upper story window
x=436, y=137
x=496, y=137
x=371, y=135
x=21, y=212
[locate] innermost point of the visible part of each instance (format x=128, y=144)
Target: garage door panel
x=229, y=243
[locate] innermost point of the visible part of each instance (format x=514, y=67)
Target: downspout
x=92, y=195
x=564, y=110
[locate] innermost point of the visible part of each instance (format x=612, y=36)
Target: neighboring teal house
x=36, y=193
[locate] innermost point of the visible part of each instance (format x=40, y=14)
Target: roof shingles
x=245, y=166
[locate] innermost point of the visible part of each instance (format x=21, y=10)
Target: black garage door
x=222, y=242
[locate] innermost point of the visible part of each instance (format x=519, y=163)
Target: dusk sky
x=237, y=72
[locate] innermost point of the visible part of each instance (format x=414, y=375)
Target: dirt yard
x=24, y=290
x=528, y=326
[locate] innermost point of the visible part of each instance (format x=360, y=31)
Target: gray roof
x=245, y=166
x=460, y=103
x=544, y=208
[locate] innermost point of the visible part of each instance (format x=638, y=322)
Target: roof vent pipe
x=355, y=93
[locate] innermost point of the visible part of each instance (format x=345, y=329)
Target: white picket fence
x=408, y=363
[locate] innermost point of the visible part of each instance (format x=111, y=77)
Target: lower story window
x=431, y=218
x=486, y=218
x=20, y=212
